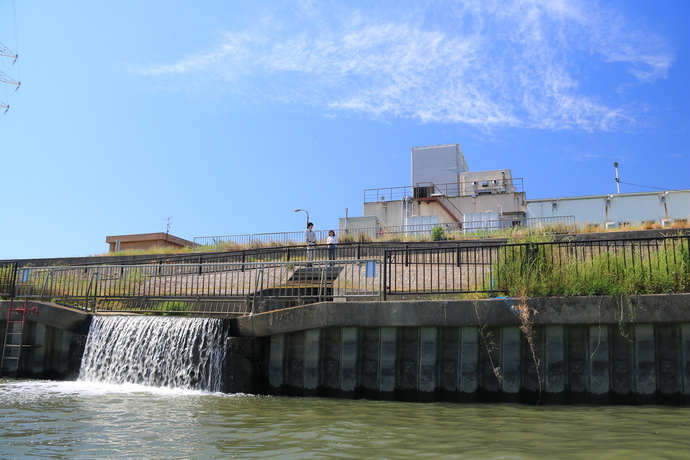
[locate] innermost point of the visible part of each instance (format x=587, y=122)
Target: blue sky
x=227, y=115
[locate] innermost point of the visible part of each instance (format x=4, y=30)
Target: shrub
x=438, y=234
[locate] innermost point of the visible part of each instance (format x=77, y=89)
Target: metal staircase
x=13, y=343
x=431, y=193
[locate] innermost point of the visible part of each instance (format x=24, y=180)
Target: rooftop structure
x=145, y=241
x=437, y=164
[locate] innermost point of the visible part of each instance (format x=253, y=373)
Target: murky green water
x=81, y=420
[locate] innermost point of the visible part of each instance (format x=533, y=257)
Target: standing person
x=331, y=241
x=310, y=238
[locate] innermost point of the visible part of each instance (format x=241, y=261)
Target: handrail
x=515, y=184
x=421, y=270
x=198, y=282
x=259, y=275
x=441, y=198
x=372, y=233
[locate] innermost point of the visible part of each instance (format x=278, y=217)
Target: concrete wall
x=580, y=350
x=391, y=212
x=634, y=208
x=575, y=350
x=54, y=337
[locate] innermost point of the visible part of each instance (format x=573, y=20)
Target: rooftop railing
x=485, y=187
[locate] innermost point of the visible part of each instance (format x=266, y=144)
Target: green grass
x=515, y=234
x=155, y=250
x=538, y=270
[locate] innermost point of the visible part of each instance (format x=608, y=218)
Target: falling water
x=171, y=352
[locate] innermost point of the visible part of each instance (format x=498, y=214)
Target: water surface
x=85, y=420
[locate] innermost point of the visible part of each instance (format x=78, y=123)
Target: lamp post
x=298, y=210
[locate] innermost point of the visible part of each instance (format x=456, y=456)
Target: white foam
x=155, y=352
x=87, y=388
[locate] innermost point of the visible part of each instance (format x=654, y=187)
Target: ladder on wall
x=13, y=343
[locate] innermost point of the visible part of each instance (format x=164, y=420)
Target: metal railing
x=546, y=225
x=595, y=267
x=227, y=241
x=452, y=189
x=457, y=270
x=637, y=266
x=8, y=273
x=180, y=287
x=220, y=243
x=470, y=229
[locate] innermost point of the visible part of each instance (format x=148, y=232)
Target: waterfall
x=186, y=353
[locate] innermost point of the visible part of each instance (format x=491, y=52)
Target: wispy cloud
x=520, y=63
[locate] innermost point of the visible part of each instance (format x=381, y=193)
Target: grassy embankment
x=436, y=234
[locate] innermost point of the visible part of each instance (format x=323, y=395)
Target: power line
x=646, y=186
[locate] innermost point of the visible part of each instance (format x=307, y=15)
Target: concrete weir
x=596, y=350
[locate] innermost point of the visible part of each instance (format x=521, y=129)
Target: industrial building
x=444, y=192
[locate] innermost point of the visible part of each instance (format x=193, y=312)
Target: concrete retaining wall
x=569, y=351
x=54, y=338
x=580, y=350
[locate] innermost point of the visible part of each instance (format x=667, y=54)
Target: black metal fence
x=8, y=274
x=602, y=267
x=529, y=269
x=184, y=287
x=440, y=270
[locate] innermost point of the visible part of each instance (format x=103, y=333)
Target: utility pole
x=5, y=53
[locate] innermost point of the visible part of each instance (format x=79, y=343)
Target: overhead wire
x=16, y=39
x=647, y=186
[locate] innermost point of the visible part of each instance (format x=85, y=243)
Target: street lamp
x=298, y=210
x=618, y=181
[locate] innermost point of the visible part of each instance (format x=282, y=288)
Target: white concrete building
x=622, y=209
x=444, y=192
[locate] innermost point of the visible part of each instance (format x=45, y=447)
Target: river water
x=148, y=390
x=87, y=420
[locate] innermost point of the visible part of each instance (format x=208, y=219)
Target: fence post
x=13, y=282
x=384, y=276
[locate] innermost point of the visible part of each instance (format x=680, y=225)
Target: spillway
x=184, y=353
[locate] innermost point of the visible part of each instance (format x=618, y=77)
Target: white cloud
x=520, y=63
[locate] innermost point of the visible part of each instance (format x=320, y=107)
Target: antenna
x=169, y=224
x=618, y=181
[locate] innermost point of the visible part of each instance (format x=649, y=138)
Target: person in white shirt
x=310, y=238
x=331, y=241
